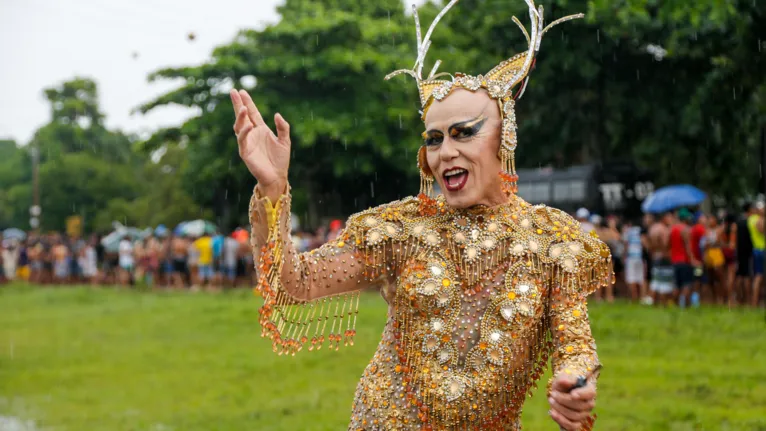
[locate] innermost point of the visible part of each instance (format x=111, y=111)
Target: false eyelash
x=429, y=141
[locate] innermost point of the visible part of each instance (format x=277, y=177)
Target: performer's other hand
x=571, y=409
x=266, y=155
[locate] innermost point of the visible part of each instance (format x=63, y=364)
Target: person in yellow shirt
x=755, y=224
x=204, y=246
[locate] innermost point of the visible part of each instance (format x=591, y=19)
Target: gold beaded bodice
x=479, y=300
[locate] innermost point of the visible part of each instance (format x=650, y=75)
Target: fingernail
x=551, y=400
x=550, y=412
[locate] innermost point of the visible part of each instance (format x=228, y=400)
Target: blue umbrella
x=161, y=231
x=179, y=229
x=13, y=233
x=672, y=197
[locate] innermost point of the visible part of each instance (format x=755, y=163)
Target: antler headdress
x=499, y=82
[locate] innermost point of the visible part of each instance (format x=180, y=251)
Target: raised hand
x=266, y=155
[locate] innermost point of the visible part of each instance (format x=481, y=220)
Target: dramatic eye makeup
x=432, y=137
x=461, y=130
x=466, y=129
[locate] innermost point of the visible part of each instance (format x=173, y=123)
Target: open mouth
x=455, y=179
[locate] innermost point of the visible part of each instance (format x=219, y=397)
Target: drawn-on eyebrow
x=475, y=124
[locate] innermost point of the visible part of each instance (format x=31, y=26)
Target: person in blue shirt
x=217, y=259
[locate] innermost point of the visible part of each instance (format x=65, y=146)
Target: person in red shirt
x=682, y=257
x=696, y=234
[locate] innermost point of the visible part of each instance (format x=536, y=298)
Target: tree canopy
x=88, y=171
x=677, y=87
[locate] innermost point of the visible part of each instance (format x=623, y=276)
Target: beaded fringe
x=491, y=406
x=290, y=324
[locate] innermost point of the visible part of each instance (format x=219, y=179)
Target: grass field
x=78, y=359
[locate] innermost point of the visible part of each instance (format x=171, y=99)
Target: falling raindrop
x=401, y=126
x=638, y=75
x=312, y=115
x=345, y=144
x=372, y=189
x=226, y=195
x=598, y=35
x=734, y=93
x=317, y=40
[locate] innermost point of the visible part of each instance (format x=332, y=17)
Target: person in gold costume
x=483, y=289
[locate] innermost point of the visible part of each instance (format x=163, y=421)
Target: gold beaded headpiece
x=499, y=82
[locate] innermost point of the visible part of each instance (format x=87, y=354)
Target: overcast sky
x=45, y=42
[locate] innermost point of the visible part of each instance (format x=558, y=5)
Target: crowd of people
x=678, y=257
x=685, y=257
x=209, y=261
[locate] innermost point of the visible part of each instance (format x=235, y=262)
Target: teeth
x=456, y=171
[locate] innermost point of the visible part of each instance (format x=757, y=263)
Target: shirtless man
x=658, y=243
x=178, y=252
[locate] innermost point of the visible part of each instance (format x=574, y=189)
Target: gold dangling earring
x=427, y=205
x=426, y=177
x=508, y=162
x=426, y=185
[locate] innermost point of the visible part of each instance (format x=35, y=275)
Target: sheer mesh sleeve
x=574, y=349
x=312, y=298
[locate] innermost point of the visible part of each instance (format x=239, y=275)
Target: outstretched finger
x=283, y=129
x=252, y=110
x=236, y=101
x=242, y=120
x=242, y=137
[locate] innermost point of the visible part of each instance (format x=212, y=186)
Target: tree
x=81, y=184
x=162, y=198
x=675, y=86
x=709, y=85
x=322, y=66
x=89, y=171
x=15, y=175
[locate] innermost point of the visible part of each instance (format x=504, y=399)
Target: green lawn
x=80, y=359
